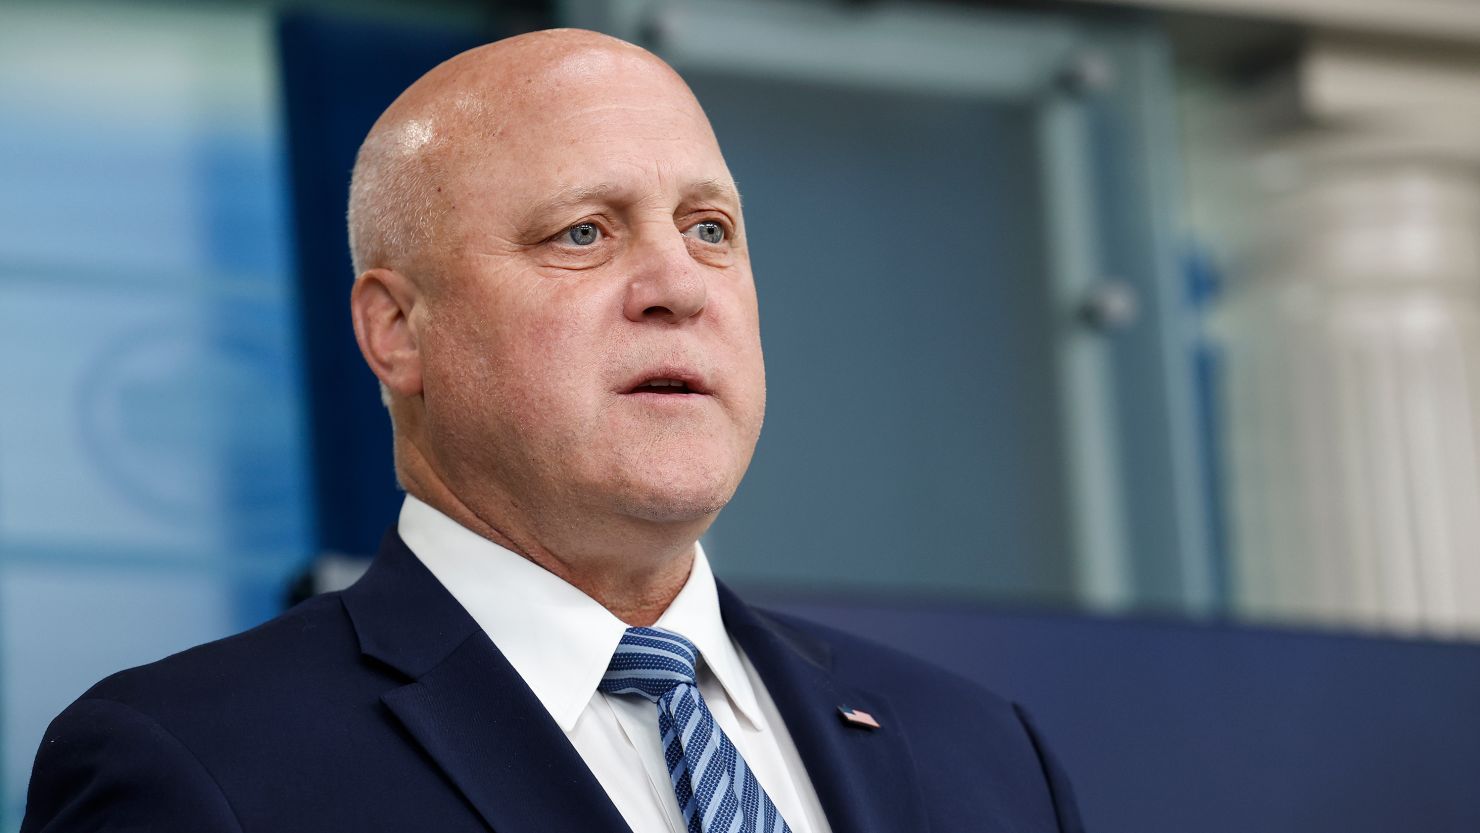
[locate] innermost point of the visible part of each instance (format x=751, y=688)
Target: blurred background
x=1143, y=352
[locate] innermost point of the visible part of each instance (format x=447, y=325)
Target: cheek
x=547, y=371
x=744, y=345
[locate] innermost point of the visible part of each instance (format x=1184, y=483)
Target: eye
x=708, y=231
x=583, y=234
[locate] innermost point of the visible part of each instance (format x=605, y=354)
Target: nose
x=667, y=285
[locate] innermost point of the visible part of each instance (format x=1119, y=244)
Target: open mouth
x=667, y=381
x=664, y=386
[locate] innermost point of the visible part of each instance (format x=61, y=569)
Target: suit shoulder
x=949, y=719
x=312, y=639
x=101, y=761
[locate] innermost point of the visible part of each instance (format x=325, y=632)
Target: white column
x=1351, y=332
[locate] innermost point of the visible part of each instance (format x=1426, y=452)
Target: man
x=555, y=292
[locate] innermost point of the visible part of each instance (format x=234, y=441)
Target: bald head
x=403, y=192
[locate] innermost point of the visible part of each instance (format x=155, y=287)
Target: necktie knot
x=651, y=662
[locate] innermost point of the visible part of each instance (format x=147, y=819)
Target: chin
x=669, y=509
x=686, y=496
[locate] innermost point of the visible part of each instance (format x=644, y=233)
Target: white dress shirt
x=560, y=641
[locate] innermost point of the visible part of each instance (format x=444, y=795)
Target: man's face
x=591, y=340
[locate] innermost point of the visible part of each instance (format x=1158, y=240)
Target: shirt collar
x=694, y=612
x=557, y=638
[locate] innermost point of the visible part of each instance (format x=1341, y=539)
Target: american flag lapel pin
x=859, y=718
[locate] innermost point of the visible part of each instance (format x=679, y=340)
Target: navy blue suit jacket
x=386, y=707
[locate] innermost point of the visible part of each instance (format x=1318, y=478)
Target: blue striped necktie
x=716, y=790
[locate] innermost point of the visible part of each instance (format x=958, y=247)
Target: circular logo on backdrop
x=190, y=424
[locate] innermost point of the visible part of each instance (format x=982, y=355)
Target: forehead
x=600, y=118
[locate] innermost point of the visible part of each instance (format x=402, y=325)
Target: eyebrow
x=532, y=220
x=715, y=189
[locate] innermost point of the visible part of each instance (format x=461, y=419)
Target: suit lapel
x=475, y=717
x=468, y=708
x=480, y=722
x=865, y=779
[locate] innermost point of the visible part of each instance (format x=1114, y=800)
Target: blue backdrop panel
x=339, y=74
x=1176, y=728
x=911, y=400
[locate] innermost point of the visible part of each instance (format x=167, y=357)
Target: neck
x=633, y=568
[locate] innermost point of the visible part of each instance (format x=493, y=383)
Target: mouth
x=666, y=387
x=667, y=382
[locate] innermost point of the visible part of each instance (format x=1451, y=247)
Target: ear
x=381, y=305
